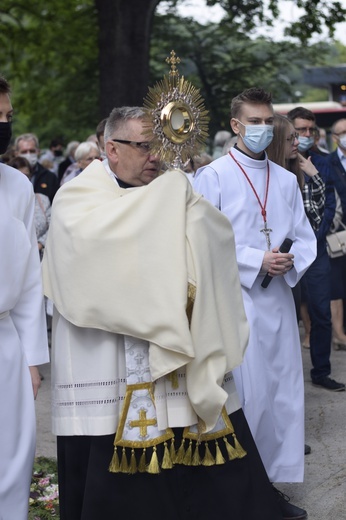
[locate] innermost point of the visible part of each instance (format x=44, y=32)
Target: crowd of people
x=177, y=296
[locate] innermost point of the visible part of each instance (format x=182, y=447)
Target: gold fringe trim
x=180, y=453
x=142, y=466
x=196, y=459
x=124, y=466
x=154, y=467
x=232, y=454
x=133, y=463
x=208, y=458
x=172, y=452
x=189, y=457
x=187, y=461
x=167, y=460
x=114, y=466
x=218, y=457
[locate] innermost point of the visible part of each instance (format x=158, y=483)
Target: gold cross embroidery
x=143, y=423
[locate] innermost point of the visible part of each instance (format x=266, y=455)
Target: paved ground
x=323, y=492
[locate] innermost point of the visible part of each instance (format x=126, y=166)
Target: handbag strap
x=335, y=231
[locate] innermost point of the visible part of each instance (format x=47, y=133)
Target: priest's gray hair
x=118, y=118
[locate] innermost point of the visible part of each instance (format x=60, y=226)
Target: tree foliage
x=317, y=14
x=222, y=61
x=50, y=58
x=70, y=61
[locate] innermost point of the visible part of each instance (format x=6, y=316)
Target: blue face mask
x=257, y=137
x=305, y=143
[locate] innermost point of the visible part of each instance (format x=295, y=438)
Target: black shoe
x=288, y=510
x=307, y=449
x=329, y=384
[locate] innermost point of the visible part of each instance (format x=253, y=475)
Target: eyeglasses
x=339, y=134
x=292, y=137
x=143, y=147
x=306, y=129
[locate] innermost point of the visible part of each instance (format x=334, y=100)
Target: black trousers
x=238, y=490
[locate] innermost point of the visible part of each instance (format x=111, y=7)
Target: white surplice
x=23, y=340
x=270, y=380
x=114, y=233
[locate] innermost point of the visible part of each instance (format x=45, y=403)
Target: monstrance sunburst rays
x=176, y=118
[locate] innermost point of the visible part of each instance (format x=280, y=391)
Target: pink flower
x=43, y=482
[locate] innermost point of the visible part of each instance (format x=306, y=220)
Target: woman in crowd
x=283, y=150
x=85, y=153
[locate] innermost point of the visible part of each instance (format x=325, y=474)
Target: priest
x=145, y=335
x=264, y=204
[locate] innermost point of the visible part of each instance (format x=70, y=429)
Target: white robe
x=23, y=340
x=270, y=380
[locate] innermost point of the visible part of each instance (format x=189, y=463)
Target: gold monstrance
x=177, y=118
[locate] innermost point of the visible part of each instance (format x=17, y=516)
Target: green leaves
x=62, y=64
x=50, y=58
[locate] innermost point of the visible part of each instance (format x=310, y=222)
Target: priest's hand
x=35, y=379
x=276, y=263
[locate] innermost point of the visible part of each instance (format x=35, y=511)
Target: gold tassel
x=166, y=461
x=208, y=458
x=238, y=448
x=114, y=466
x=124, y=466
x=218, y=457
x=196, y=459
x=232, y=454
x=133, y=463
x=154, y=467
x=172, y=451
x=142, y=466
x=188, y=455
x=181, y=453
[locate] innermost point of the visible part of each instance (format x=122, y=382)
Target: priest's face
x=129, y=156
